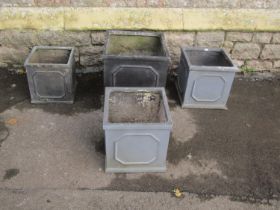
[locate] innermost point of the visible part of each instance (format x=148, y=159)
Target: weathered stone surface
x=89, y=3
x=210, y=39
x=260, y=65
x=122, y=3
x=13, y=3
x=30, y=38
x=276, y=38
x=98, y=38
x=53, y=2
x=238, y=63
x=65, y=38
x=177, y=39
x=14, y=38
x=262, y=37
x=90, y=56
x=258, y=4
x=245, y=51
x=93, y=18
x=77, y=55
x=271, y=51
x=3, y=65
x=227, y=46
x=276, y=64
x=13, y=55
x=239, y=36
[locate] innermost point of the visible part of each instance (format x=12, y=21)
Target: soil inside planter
x=136, y=107
x=208, y=58
x=135, y=45
x=50, y=56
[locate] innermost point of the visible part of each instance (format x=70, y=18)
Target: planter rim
x=193, y=67
x=110, y=125
x=135, y=33
x=27, y=61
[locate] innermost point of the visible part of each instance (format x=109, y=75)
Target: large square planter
x=137, y=126
x=205, y=78
x=51, y=74
x=135, y=59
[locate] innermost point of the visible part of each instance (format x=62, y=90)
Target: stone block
x=13, y=55
x=246, y=51
x=91, y=56
x=65, y=38
x=260, y=65
x=227, y=46
x=262, y=37
x=177, y=39
x=276, y=38
x=271, y=51
x=98, y=38
x=210, y=39
x=14, y=38
x=238, y=63
x=276, y=64
x=239, y=36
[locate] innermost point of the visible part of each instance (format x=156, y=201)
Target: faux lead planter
x=135, y=59
x=51, y=74
x=205, y=78
x=137, y=126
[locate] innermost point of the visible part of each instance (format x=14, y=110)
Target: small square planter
x=51, y=74
x=205, y=78
x=135, y=59
x=137, y=126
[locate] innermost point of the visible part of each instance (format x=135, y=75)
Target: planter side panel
x=51, y=83
x=136, y=150
x=182, y=77
x=135, y=72
x=208, y=89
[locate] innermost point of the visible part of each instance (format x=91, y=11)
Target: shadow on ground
x=14, y=91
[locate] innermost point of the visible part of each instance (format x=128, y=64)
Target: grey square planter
x=205, y=78
x=137, y=126
x=135, y=59
x=51, y=74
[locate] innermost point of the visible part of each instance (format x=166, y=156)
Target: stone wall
x=257, y=50
x=253, y=4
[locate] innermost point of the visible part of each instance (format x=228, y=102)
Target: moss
x=247, y=69
x=134, y=45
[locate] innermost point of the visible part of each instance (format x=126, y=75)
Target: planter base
x=135, y=170
x=48, y=101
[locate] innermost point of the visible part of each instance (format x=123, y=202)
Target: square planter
x=137, y=126
x=135, y=59
x=205, y=78
x=51, y=74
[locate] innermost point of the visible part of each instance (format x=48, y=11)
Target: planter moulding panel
x=205, y=77
x=137, y=126
x=51, y=74
x=135, y=59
